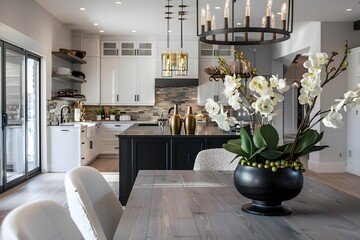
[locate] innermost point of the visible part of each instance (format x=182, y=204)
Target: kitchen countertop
x=202, y=130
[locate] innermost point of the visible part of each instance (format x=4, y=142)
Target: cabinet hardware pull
x=117, y=52
x=135, y=98
x=83, y=143
x=116, y=147
x=82, y=158
x=91, y=144
x=117, y=97
x=117, y=125
x=64, y=130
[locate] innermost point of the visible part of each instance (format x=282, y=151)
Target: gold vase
x=175, y=122
x=189, y=122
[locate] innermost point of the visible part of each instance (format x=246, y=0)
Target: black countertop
x=202, y=130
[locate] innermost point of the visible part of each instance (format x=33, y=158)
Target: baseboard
x=108, y=156
x=333, y=167
x=353, y=170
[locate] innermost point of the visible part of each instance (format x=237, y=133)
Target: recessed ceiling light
x=217, y=7
x=96, y=24
x=117, y=2
x=82, y=9
x=238, y=23
x=169, y=31
x=278, y=13
x=101, y=31
x=134, y=31
x=348, y=9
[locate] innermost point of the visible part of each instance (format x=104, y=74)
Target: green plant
x=98, y=111
x=258, y=143
x=112, y=111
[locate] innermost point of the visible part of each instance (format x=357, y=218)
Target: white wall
x=333, y=37
x=26, y=24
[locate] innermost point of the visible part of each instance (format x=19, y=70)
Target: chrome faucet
x=62, y=120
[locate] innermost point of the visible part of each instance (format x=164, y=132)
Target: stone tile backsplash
x=165, y=98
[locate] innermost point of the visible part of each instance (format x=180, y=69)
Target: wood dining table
x=186, y=204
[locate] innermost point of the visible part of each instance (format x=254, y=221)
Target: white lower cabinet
x=67, y=147
x=109, y=139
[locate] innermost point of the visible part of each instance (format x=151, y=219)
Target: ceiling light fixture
x=101, y=31
x=96, y=24
x=82, y=9
x=182, y=55
x=134, y=31
x=246, y=35
x=118, y=2
x=348, y=9
x=168, y=57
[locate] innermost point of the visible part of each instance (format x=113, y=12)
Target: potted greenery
x=98, y=113
x=275, y=170
x=112, y=113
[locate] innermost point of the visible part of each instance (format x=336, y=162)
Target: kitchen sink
x=147, y=124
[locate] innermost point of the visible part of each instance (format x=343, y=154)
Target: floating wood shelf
x=69, y=57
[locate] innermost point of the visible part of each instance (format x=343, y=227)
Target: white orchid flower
x=263, y=106
x=282, y=86
x=260, y=85
x=212, y=107
x=322, y=58
x=333, y=119
x=234, y=101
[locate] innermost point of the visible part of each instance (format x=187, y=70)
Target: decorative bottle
x=175, y=122
x=189, y=122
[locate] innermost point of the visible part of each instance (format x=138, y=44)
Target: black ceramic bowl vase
x=267, y=189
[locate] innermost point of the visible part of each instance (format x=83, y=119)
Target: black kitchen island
x=149, y=147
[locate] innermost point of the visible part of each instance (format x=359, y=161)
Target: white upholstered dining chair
x=216, y=159
x=93, y=205
x=40, y=220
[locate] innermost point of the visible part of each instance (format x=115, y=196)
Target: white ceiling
x=147, y=16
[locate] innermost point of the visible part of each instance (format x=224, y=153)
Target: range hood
x=176, y=82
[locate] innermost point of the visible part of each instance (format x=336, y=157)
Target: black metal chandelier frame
x=282, y=34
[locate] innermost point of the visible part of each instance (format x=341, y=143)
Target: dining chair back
x=93, y=205
x=215, y=159
x=40, y=220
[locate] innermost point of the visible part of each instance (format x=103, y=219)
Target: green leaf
x=271, y=154
x=270, y=136
x=246, y=140
x=307, y=139
x=236, y=149
x=312, y=149
x=235, y=141
x=257, y=152
x=258, y=139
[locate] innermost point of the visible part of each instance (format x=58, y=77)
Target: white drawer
x=109, y=135
x=110, y=147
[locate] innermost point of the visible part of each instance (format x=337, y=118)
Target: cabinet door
x=128, y=49
x=206, y=87
x=92, y=47
x=109, y=81
x=146, y=81
x=129, y=80
x=184, y=152
x=91, y=88
x=144, y=49
x=109, y=49
x=150, y=154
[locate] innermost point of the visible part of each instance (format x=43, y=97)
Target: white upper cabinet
x=128, y=77
x=91, y=46
x=109, y=81
x=141, y=48
x=109, y=49
x=211, y=51
x=91, y=88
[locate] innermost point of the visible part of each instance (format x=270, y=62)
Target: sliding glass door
x=13, y=112
x=20, y=104
x=32, y=114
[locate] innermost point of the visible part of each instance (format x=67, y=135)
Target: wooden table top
x=206, y=205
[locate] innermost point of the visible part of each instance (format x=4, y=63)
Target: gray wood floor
x=51, y=185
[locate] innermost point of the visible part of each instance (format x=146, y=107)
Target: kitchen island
x=149, y=147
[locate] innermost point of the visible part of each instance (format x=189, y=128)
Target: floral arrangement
x=258, y=142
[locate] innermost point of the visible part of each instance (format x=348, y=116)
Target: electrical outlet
x=340, y=154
